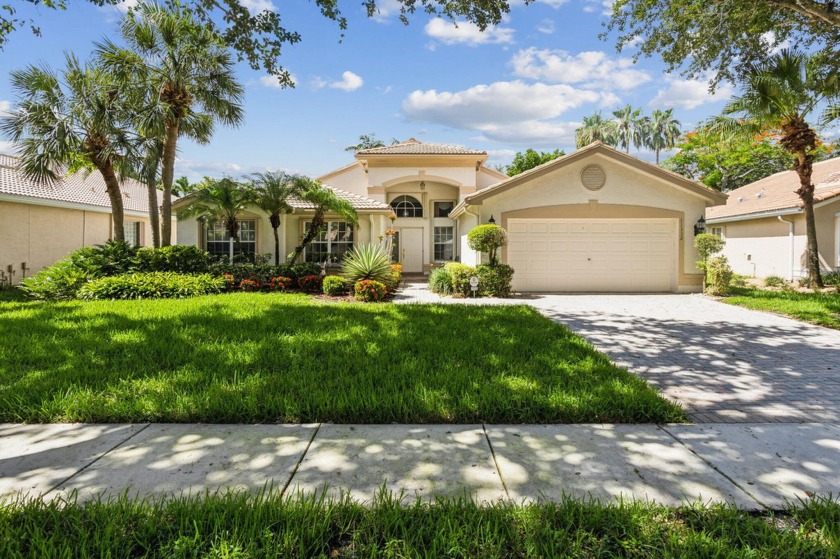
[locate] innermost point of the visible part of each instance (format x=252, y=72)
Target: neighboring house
x=763, y=224
x=41, y=224
x=595, y=220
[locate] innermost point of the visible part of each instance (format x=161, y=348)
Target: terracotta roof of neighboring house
x=416, y=147
x=78, y=188
x=777, y=193
x=359, y=202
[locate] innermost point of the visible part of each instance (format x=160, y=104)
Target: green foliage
x=738, y=280
x=392, y=282
x=530, y=158
x=151, y=285
x=595, y=129
x=369, y=141
x=630, y=128
x=335, y=285
x=489, y=239
x=184, y=259
x=264, y=273
x=832, y=278
x=311, y=284
x=62, y=280
x=280, y=283
x=367, y=261
x=460, y=275
x=440, y=281
x=369, y=291
x=820, y=307
x=707, y=245
x=775, y=281
x=718, y=275
x=494, y=281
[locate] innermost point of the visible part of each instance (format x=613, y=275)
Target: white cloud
x=605, y=6
x=257, y=6
x=689, y=94
x=5, y=106
x=271, y=81
x=467, y=33
x=769, y=38
x=534, y=133
x=125, y=5
x=386, y=10
x=590, y=68
x=546, y=26
x=500, y=154
x=8, y=148
x=349, y=82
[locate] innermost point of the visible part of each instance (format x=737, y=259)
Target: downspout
x=790, y=237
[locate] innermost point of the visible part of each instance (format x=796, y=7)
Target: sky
x=525, y=83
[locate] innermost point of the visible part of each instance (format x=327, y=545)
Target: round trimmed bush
x=370, y=290
x=335, y=285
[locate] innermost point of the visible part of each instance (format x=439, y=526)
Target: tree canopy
x=529, y=159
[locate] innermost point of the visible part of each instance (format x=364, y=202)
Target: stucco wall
x=353, y=180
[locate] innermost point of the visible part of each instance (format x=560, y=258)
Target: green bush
x=494, y=281
x=366, y=262
x=718, y=275
x=109, y=259
x=301, y=269
x=151, y=285
x=460, y=274
x=369, y=290
x=392, y=282
x=62, y=280
x=280, y=283
x=264, y=273
x=738, y=280
x=832, y=278
x=184, y=259
x=440, y=282
x=312, y=283
x=775, y=281
x=335, y=285
x=707, y=245
x=488, y=238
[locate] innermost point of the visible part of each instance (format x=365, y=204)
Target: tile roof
x=77, y=188
x=778, y=192
x=359, y=202
x=416, y=147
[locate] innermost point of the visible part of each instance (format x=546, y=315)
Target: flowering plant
x=391, y=233
x=311, y=284
x=230, y=281
x=280, y=283
x=392, y=217
x=369, y=290
x=252, y=284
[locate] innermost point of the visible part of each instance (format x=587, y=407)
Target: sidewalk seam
x=495, y=461
x=299, y=462
x=715, y=468
x=97, y=459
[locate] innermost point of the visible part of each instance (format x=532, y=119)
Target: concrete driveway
x=721, y=362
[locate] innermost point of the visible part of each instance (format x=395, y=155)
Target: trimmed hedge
x=494, y=281
x=151, y=285
x=184, y=259
x=370, y=291
x=335, y=285
x=264, y=274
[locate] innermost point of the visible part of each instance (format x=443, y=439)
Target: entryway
x=411, y=250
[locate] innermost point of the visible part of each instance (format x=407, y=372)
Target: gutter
x=742, y=217
x=790, y=237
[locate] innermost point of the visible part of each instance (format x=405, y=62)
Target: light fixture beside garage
x=593, y=177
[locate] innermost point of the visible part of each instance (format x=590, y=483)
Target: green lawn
x=241, y=527
x=816, y=308
x=287, y=358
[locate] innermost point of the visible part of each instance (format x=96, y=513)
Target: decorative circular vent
x=593, y=177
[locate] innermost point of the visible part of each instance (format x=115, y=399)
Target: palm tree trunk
x=168, y=176
x=804, y=169
x=112, y=187
x=657, y=156
x=276, y=246
x=314, y=230
x=154, y=217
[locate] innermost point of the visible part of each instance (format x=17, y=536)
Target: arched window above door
x=407, y=206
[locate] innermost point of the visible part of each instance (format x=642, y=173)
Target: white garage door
x=627, y=255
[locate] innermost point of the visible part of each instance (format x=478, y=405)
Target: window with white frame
x=443, y=209
x=331, y=244
x=132, y=232
x=717, y=231
x=217, y=239
x=407, y=206
x=444, y=244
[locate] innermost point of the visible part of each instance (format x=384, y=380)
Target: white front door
x=411, y=250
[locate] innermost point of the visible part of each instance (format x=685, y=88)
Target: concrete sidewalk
x=751, y=465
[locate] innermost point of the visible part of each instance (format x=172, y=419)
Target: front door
x=411, y=250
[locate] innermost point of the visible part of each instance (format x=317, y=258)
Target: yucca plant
x=366, y=262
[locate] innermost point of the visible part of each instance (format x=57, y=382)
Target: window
x=442, y=209
x=331, y=244
x=444, y=243
x=217, y=240
x=717, y=231
x=132, y=233
x=407, y=206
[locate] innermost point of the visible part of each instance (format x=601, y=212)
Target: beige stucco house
x=595, y=220
x=41, y=224
x=763, y=224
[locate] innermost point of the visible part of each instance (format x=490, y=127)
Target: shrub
x=775, y=281
x=252, y=284
x=494, y=281
x=62, y=280
x=738, y=280
x=440, y=282
x=719, y=275
x=366, y=262
x=109, y=259
x=488, y=238
x=264, y=273
x=302, y=269
x=707, y=245
x=312, y=283
x=151, y=285
x=184, y=259
x=392, y=282
x=230, y=281
x=832, y=278
x=334, y=285
x=369, y=290
x=280, y=283
x=460, y=275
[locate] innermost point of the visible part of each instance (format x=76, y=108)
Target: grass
x=817, y=308
x=239, y=527
x=255, y=357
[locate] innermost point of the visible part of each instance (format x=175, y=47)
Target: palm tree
x=323, y=200
x=595, y=129
x=629, y=126
x=188, y=67
x=149, y=173
x=220, y=200
x=780, y=94
x=272, y=191
x=663, y=131
x=73, y=119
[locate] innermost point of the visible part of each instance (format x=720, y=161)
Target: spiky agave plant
x=369, y=261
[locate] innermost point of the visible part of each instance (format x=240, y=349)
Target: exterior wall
x=486, y=178
x=352, y=179
x=40, y=235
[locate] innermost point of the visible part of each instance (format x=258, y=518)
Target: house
x=763, y=224
x=595, y=220
x=41, y=224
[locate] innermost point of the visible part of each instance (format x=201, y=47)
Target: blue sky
x=525, y=83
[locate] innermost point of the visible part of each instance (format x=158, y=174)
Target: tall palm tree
x=629, y=127
x=780, y=94
x=220, y=200
x=149, y=173
x=324, y=201
x=663, y=131
x=595, y=129
x=188, y=66
x=272, y=191
x=72, y=119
